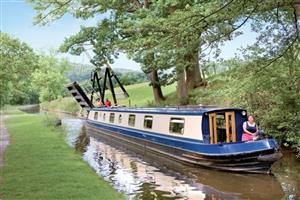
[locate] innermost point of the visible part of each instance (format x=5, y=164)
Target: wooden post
x=213, y=128
x=230, y=127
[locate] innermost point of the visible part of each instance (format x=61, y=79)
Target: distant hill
x=79, y=72
x=123, y=70
x=82, y=72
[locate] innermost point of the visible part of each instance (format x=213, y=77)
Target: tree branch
x=233, y=30
x=228, y=33
x=52, y=11
x=213, y=13
x=296, y=21
x=278, y=57
x=289, y=46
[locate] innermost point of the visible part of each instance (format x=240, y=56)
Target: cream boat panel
x=160, y=123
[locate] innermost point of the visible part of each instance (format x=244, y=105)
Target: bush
x=51, y=120
x=273, y=96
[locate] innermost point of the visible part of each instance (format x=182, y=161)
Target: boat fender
x=271, y=157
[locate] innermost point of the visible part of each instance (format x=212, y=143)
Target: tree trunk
x=157, y=92
x=182, y=90
x=193, y=78
x=296, y=6
x=202, y=71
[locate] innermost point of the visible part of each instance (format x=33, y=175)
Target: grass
x=9, y=110
x=40, y=165
x=141, y=94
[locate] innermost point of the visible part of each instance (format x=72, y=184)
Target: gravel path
x=4, y=140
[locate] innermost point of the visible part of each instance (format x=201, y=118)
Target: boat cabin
x=211, y=125
x=223, y=126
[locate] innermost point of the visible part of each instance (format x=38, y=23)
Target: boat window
x=120, y=119
x=95, y=115
x=112, y=117
x=131, y=120
x=221, y=127
x=148, y=121
x=221, y=123
x=177, y=125
x=104, y=116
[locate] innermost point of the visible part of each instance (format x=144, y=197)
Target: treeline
x=132, y=77
x=27, y=77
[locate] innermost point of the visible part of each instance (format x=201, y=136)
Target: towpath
x=4, y=141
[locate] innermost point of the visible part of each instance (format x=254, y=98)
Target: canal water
x=146, y=176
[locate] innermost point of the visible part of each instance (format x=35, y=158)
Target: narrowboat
x=207, y=136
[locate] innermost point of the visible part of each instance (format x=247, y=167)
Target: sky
x=16, y=18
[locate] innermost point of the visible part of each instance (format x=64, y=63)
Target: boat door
x=213, y=128
x=222, y=127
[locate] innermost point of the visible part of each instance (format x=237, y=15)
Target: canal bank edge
x=4, y=142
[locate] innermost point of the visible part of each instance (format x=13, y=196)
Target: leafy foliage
x=26, y=77
x=16, y=65
x=130, y=78
x=49, y=79
x=272, y=95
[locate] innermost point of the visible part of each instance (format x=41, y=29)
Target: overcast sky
x=16, y=19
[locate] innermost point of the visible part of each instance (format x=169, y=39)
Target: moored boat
x=205, y=136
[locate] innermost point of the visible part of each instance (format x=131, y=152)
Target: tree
x=17, y=63
x=275, y=21
x=49, y=79
x=177, y=32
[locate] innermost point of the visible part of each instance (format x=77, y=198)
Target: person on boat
x=107, y=103
x=99, y=102
x=250, y=129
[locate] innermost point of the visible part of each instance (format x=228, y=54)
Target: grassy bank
x=139, y=95
x=67, y=104
x=40, y=165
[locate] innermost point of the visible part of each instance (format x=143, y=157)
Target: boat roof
x=180, y=110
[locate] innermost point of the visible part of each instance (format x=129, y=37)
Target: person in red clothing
x=107, y=103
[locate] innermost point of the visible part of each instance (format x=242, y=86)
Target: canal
x=142, y=175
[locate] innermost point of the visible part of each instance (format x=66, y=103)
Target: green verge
x=40, y=165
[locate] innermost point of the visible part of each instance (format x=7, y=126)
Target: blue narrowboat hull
x=252, y=157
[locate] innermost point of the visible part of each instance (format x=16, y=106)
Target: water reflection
x=74, y=128
x=288, y=174
x=143, y=175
